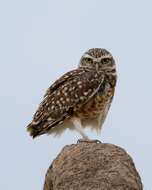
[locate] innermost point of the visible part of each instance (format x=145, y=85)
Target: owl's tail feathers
x=34, y=130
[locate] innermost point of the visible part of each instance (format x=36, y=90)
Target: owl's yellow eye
x=88, y=60
x=105, y=60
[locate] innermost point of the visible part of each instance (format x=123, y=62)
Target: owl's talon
x=88, y=141
x=97, y=141
x=80, y=140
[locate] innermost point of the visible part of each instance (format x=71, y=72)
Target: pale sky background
x=41, y=40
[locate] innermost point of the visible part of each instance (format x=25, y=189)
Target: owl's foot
x=88, y=141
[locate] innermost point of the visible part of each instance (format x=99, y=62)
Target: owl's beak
x=97, y=66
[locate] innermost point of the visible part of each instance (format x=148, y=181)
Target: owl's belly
x=97, y=106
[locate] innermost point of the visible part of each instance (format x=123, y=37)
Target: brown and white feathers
x=84, y=93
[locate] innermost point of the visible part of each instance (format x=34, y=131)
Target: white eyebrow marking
x=97, y=59
x=106, y=56
x=87, y=56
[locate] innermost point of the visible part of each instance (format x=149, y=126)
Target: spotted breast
x=95, y=111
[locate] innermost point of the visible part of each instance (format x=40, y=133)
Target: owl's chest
x=98, y=104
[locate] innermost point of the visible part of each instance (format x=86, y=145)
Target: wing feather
x=64, y=97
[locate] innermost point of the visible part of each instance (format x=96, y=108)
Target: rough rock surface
x=92, y=166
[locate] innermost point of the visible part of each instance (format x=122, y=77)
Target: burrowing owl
x=80, y=98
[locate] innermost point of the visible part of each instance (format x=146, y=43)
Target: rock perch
x=92, y=166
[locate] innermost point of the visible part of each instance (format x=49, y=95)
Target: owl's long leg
x=78, y=127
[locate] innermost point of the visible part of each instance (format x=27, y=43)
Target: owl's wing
x=62, y=80
x=67, y=94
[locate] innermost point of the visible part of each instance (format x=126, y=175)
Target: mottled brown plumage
x=80, y=97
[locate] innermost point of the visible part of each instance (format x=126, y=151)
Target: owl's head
x=99, y=59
